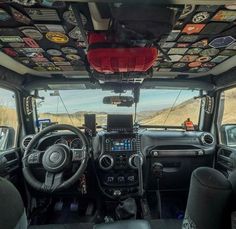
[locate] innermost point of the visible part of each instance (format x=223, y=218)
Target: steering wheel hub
x=56, y=158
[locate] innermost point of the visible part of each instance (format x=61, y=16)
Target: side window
x=8, y=119
x=227, y=118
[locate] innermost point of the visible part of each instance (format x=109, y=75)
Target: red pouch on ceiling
x=107, y=57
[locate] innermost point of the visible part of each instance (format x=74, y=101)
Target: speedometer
x=61, y=141
x=76, y=144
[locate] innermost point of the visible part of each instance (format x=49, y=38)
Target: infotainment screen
x=119, y=122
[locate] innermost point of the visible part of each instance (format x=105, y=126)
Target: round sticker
x=69, y=17
x=200, y=17
x=54, y=52
x=32, y=33
x=188, y=9
x=208, y=65
x=231, y=7
x=179, y=65
x=4, y=16
x=69, y=50
x=72, y=57
x=189, y=58
x=210, y=52
x=57, y=37
x=195, y=64
x=203, y=59
x=57, y=59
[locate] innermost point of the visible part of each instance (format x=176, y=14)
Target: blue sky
x=91, y=101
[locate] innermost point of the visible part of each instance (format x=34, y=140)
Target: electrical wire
x=66, y=109
x=176, y=99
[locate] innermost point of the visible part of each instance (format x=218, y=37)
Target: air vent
x=207, y=139
x=26, y=140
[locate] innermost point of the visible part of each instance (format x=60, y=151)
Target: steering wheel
x=55, y=160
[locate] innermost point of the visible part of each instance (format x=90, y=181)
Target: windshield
x=156, y=107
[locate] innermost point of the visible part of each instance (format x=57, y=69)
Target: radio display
x=121, y=145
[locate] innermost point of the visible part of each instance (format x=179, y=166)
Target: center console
x=119, y=163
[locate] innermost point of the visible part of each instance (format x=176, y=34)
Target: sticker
x=177, y=51
x=33, y=54
x=32, y=33
x=17, y=45
x=57, y=59
x=208, y=65
x=164, y=69
x=44, y=64
x=19, y=17
x=50, y=3
x=200, y=17
x=69, y=50
x=4, y=16
x=62, y=63
x=67, y=68
x=40, y=59
x=221, y=42
x=188, y=38
x=179, y=65
x=76, y=34
x=69, y=17
x=189, y=58
x=230, y=7
x=10, y=52
x=194, y=64
x=54, y=52
x=30, y=50
x=82, y=45
x=224, y=15
x=168, y=45
x=182, y=45
x=57, y=37
x=44, y=28
x=194, y=51
x=165, y=64
x=53, y=68
x=204, y=69
x=203, y=59
x=179, y=25
x=40, y=69
x=72, y=57
x=232, y=46
x=175, y=58
x=193, y=28
x=210, y=52
x=201, y=44
x=31, y=42
x=10, y=39
x=208, y=8
x=10, y=32
x=214, y=28
x=173, y=35
x=42, y=14
x=227, y=52
x=25, y=60
x=193, y=69
x=188, y=9
x=219, y=59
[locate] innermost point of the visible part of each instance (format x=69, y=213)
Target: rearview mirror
x=228, y=134
x=120, y=101
x=7, y=137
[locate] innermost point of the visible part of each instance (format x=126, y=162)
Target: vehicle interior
x=117, y=114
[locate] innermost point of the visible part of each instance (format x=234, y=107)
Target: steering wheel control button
x=34, y=158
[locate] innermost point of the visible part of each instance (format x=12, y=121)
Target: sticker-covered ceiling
x=48, y=38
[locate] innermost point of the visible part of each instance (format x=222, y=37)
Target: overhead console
x=119, y=159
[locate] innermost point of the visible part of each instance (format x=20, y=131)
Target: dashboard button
x=121, y=179
x=110, y=179
x=131, y=179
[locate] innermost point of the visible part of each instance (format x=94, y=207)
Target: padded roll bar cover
x=124, y=224
x=208, y=198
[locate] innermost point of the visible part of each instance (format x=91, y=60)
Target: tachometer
x=61, y=141
x=76, y=144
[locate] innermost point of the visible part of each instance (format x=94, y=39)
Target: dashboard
x=126, y=163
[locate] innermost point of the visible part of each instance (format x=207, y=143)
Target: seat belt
x=233, y=220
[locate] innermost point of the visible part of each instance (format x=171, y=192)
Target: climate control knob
x=106, y=162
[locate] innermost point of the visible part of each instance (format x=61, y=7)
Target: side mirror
x=228, y=134
x=7, y=137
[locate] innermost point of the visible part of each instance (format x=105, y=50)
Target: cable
x=66, y=109
x=176, y=99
